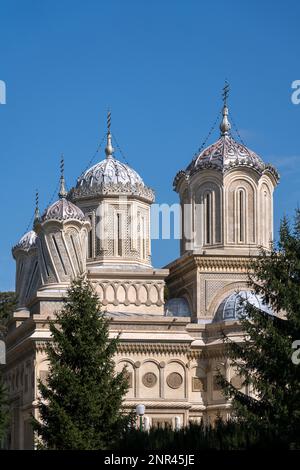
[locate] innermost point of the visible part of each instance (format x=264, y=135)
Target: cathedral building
x=173, y=348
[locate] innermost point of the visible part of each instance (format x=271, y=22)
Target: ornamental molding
x=159, y=404
x=153, y=348
x=152, y=289
x=159, y=349
x=207, y=263
x=138, y=190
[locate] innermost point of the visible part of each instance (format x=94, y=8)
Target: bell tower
x=226, y=196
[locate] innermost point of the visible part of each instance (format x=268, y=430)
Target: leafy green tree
x=81, y=404
x=7, y=306
x=266, y=358
x=8, y=302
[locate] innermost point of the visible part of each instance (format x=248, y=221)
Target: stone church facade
x=173, y=349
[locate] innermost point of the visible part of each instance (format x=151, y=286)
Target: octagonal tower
x=226, y=196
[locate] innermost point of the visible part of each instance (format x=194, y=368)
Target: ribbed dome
x=233, y=307
x=27, y=242
x=110, y=176
x=109, y=171
x=63, y=210
x=224, y=153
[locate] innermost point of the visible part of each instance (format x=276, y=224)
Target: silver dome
x=233, y=307
x=63, y=210
x=110, y=176
x=109, y=171
x=177, y=307
x=224, y=153
x=26, y=242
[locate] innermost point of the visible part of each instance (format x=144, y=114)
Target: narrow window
x=241, y=216
x=208, y=218
x=265, y=219
x=143, y=240
x=119, y=235
x=90, y=239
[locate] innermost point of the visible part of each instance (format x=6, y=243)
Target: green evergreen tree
x=81, y=404
x=264, y=359
x=4, y=415
x=7, y=306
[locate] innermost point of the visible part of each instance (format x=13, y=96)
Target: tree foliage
x=264, y=359
x=81, y=404
x=7, y=305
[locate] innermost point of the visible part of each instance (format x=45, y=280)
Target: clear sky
x=160, y=66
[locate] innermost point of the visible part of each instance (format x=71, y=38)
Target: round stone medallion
x=149, y=379
x=174, y=380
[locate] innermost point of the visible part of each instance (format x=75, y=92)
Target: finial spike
x=225, y=125
x=108, y=120
x=225, y=94
x=36, y=211
x=62, y=189
x=109, y=150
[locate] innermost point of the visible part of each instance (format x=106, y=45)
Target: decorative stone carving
x=174, y=380
x=149, y=379
x=63, y=210
x=199, y=384
x=139, y=190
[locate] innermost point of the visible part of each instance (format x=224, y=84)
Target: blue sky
x=160, y=65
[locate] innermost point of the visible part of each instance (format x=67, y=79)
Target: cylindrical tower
x=226, y=196
x=62, y=240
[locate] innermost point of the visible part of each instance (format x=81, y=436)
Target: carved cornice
x=112, y=189
x=153, y=348
x=224, y=263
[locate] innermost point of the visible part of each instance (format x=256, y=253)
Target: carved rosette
x=174, y=380
x=149, y=379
